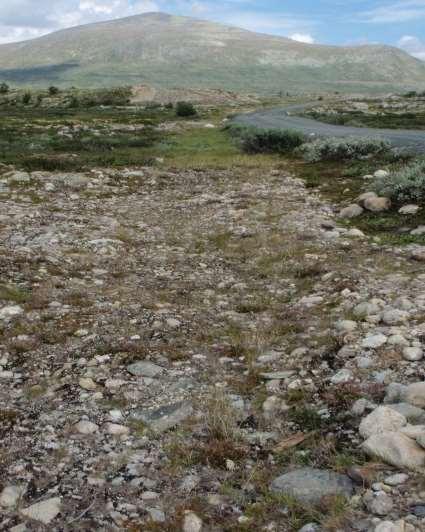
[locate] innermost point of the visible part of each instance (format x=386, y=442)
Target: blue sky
x=396, y=22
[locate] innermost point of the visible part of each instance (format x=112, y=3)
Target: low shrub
x=407, y=184
x=26, y=98
x=4, y=88
x=184, y=109
x=340, y=149
x=256, y=140
x=53, y=90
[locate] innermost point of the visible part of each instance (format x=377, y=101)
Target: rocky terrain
x=204, y=350
x=192, y=338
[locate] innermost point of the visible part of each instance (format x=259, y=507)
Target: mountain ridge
x=169, y=50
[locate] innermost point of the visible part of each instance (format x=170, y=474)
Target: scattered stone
x=87, y=384
x=419, y=231
x=380, y=174
x=418, y=254
x=346, y=326
x=415, y=394
x=382, y=419
x=11, y=495
x=375, y=341
x=379, y=503
x=413, y=353
x=86, y=427
x=145, y=369
x=396, y=480
x=409, y=209
x=309, y=485
x=192, y=523
x=44, y=511
x=343, y=376
x=117, y=430
x=395, y=449
x=377, y=204
x=394, y=316
x=164, y=418
x=6, y=313
x=352, y=211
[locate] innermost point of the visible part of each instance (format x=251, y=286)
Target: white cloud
x=302, y=37
x=21, y=19
x=395, y=12
x=413, y=46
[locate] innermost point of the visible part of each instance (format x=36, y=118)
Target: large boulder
x=351, y=211
x=395, y=449
x=377, y=204
x=382, y=419
x=309, y=485
x=415, y=394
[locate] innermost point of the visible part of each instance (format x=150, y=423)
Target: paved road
x=284, y=118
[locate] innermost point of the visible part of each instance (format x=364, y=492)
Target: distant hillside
x=170, y=51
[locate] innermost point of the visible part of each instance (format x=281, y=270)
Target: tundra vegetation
x=200, y=324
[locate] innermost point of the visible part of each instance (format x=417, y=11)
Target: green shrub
x=26, y=98
x=116, y=96
x=407, y=184
x=340, y=149
x=255, y=140
x=185, y=109
x=53, y=90
x=4, y=88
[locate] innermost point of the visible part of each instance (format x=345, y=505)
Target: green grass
x=30, y=140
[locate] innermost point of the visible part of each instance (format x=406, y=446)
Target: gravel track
x=284, y=118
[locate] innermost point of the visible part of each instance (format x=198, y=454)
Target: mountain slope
x=167, y=51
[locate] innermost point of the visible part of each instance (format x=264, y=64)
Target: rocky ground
x=196, y=350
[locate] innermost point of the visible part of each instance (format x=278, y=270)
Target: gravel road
x=285, y=118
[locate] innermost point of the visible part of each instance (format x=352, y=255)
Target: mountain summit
x=166, y=51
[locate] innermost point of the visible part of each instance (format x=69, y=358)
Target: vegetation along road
x=285, y=118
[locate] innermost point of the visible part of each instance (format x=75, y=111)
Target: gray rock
x=413, y=354
x=10, y=495
x=396, y=480
x=192, y=523
x=395, y=392
x=382, y=419
x=86, y=427
x=409, y=209
x=394, y=316
x=44, y=511
x=6, y=313
x=379, y=503
x=418, y=254
x=380, y=174
x=145, y=369
x=156, y=515
x=395, y=449
x=377, y=204
x=415, y=394
x=351, y=211
x=374, y=341
x=410, y=412
x=419, y=231
x=163, y=418
x=309, y=485
x=310, y=527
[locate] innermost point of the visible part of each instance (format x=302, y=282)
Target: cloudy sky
x=396, y=22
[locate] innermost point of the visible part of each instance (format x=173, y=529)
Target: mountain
x=170, y=51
